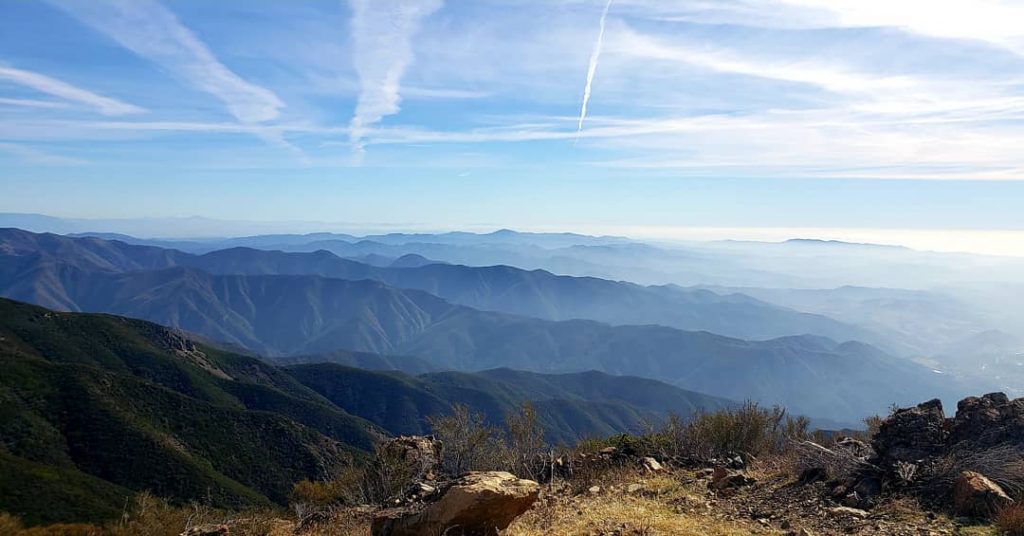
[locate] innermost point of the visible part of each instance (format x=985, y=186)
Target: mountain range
x=34, y=259
x=279, y=303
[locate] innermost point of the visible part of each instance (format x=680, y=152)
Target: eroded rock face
x=977, y=496
x=476, y=504
x=987, y=421
x=912, y=434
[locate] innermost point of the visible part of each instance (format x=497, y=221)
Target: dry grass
x=666, y=506
x=1011, y=520
x=631, y=515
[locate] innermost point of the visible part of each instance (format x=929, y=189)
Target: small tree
x=469, y=444
x=525, y=445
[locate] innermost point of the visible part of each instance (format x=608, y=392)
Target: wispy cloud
x=151, y=31
x=993, y=21
x=37, y=156
x=64, y=90
x=592, y=65
x=32, y=103
x=444, y=93
x=382, y=39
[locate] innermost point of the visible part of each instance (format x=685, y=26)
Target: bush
x=749, y=430
x=1011, y=520
x=469, y=444
x=347, y=488
x=387, y=477
x=837, y=463
x=524, y=445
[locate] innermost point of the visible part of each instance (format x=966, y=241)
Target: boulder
x=724, y=478
x=849, y=512
x=988, y=421
x=911, y=434
x=478, y=503
x=652, y=465
x=976, y=496
x=854, y=447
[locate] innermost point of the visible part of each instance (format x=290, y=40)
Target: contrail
x=592, y=68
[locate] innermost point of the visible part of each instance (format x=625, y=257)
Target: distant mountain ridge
x=302, y=314
x=505, y=289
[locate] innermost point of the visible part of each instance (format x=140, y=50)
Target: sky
x=901, y=120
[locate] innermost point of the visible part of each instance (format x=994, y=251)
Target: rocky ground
x=632, y=502
x=920, y=474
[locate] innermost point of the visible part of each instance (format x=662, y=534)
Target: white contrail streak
x=592, y=68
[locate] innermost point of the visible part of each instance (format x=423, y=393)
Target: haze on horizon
x=868, y=121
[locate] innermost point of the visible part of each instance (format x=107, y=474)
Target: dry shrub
x=1011, y=520
x=384, y=479
x=750, y=430
x=524, y=443
x=9, y=524
x=837, y=463
x=469, y=444
x=346, y=488
x=1003, y=464
x=596, y=470
x=387, y=477
x=152, y=516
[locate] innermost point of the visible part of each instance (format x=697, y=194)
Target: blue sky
x=829, y=116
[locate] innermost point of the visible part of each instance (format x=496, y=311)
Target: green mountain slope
x=569, y=406
x=94, y=407
x=140, y=407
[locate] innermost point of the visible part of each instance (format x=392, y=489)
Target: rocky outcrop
x=919, y=446
x=988, y=421
x=977, y=496
x=478, y=503
x=912, y=434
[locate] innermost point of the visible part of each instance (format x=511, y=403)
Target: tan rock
x=723, y=478
x=847, y=511
x=479, y=503
x=652, y=465
x=207, y=530
x=976, y=496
